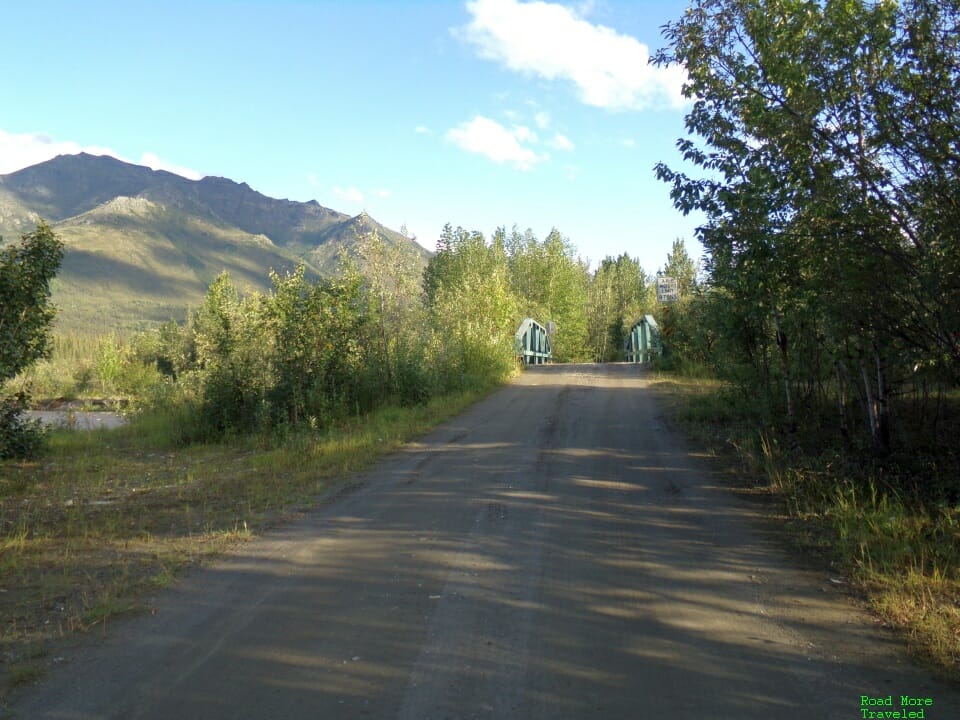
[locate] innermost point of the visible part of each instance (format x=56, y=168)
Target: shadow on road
x=555, y=552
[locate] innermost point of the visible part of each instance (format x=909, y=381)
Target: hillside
x=142, y=245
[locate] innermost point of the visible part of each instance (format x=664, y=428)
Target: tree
x=822, y=172
x=565, y=283
x=293, y=357
x=394, y=290
x=602, y=312
x=26, y=271
x=682, y=267
x=233, y=351
x=618, y=294
x=472, y=308
x=550, y=283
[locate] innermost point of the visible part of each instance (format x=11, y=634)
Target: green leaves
x=827, y=135
x=618, y=295
x=472, y=308
x=26, y=271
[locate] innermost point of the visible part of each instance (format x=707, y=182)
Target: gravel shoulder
x=554, y=552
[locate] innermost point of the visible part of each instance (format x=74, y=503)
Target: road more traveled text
x=882, y=707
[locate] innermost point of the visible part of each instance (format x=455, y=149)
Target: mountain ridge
x=142, y=245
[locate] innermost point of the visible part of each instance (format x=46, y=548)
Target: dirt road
x=554, y=552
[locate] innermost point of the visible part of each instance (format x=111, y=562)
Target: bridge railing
x=643, y=341
x=532, y=343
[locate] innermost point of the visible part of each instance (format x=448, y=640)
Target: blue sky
x=481, y=113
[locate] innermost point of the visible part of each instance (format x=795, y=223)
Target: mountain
x=142, y=245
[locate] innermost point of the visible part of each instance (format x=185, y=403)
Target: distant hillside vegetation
x=143, y=245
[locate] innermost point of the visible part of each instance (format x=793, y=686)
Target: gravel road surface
x=553, y=552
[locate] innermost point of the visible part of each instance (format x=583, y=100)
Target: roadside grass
x=892, y=528
x=106, y=516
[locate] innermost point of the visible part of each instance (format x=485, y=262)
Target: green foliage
x=477, y=293
x=317, y=349
x=19, y=437
x=550, y=283
x=232, y=352
x=829, y=192
x=565, y=289
x=389, y=277
x=263, y=363
x=110, y=360
x=473, y=311
x=26, y=271
x=307, y=353
x=682, y=267
x=618, y=294
x=694, y=326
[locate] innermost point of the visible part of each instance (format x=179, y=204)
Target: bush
x=26, y=271
x=19, y=437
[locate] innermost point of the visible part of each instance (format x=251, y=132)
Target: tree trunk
x=883, y=406
x=785, y=362
x=876, y=402
x=841, y=401
x=871, y=408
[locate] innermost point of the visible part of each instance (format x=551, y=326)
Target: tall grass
x=891, y=525
x=85, y=366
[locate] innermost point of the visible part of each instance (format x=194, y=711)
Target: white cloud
x=628, y=143
x=487, y=137
x=350, y=194
x=26, y=149
x=156, y=163
x=560, y=142
x=524, y=134
x=542, y=119
x=422, y=130
x=610, y=70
